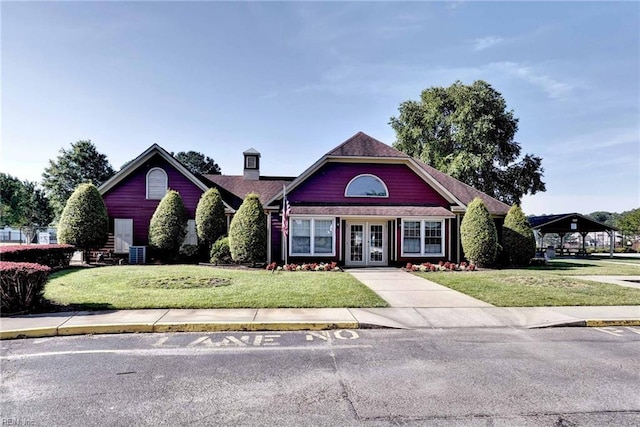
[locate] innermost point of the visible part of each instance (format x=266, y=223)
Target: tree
x=629, y=223
x=24, y=205
x=466, y=132
x=197, y=163
x=478, y=234
x=248, y=232
x=517, y=237
x=168, y=225
x=84, y=222
x=211, y=222
x=82, y=163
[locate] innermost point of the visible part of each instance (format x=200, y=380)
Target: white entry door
x=123, y=234
x=366, y=244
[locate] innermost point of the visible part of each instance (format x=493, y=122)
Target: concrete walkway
x=415, y=303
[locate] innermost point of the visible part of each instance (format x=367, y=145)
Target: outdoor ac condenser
x=137, y=254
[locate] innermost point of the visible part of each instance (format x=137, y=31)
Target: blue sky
x=295, y=79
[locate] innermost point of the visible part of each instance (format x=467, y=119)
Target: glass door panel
x=356, y=241
x=376, y=246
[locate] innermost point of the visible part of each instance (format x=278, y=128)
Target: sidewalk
x=414, y=303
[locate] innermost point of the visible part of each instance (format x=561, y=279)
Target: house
x=362, y=204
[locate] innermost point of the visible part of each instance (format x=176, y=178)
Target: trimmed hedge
x=21, y=285
x=220, y=252
x=479, y=234
x=57, y=257
x=211, y=222
x=248, y=232
x=168, y=226
x=518, y=239
x=84, y=222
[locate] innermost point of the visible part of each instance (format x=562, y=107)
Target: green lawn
x=550, y=285
x=189, y=286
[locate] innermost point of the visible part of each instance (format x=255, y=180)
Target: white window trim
x=312, y=236
x=422, y=253
x=166, y=182
x=386, y=190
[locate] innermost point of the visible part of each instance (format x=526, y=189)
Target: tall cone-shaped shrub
x=211, y=222
x=248, y=232
x=479, y=235
x=84, y=222
x=517, y=238
x=168, y=225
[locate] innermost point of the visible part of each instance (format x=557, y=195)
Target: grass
x=188, y=286
x=552, y=285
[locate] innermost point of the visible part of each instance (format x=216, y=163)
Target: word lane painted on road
x=226, y=340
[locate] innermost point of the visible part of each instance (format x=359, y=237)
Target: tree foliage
x=629, y=222
x=607, y=218
x=248, y=232
x=466, y=132
x=517, y=238
x=80, y=164
x=23, y=204
x=478, y=234
x=168, y=225
x=198, y=163
x=220, y=252
x=84, y=222
x=211, y=222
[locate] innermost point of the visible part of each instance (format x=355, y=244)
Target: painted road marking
x=618, y=331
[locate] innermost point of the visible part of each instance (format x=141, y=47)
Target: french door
x=366, y=244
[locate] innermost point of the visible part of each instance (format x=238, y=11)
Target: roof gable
x=362, y=145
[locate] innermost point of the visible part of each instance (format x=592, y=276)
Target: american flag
x=286, y=211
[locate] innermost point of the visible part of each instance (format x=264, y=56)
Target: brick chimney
x=251, y=164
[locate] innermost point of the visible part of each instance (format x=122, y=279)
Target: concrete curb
x=175, y=327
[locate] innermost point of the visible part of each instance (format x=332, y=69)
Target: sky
x=295, y=79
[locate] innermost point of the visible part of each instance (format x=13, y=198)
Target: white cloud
x=554, y=88
x=483, y=43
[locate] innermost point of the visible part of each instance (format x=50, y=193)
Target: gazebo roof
x=567, y=223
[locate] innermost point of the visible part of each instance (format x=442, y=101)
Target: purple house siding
x=327, y=185
x=276, y=237
x=128, y=198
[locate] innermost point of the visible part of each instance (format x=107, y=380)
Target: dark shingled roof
x=239, y=187
x=362, y=145
x=562, y=223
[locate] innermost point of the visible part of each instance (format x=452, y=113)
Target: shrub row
x=440, y=266
x=313, y=266
x=21, y=285
x=56, y=257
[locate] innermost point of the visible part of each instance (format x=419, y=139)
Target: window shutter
x=156, y=184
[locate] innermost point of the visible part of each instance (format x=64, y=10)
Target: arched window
x=156, y=184
x=366, y=186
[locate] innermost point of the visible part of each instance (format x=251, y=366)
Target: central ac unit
x=137, y=254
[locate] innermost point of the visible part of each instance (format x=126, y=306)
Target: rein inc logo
x=14, y=422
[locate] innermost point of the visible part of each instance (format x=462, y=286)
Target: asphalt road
x=477, y=377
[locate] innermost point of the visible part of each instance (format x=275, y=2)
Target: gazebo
x=570, y=223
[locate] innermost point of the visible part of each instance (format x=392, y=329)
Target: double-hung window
x=424, y=237
x=312, y=236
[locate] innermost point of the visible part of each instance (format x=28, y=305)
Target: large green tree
x=248, y=232
x=168, y=226
x=467, y=132
x=81, y=163
x=211, y=221
x=629, y=222
x=198, y=163
x=84, y=222
x=23, y=204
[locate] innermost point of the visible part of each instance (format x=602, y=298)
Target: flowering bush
x=440, y=266
x=330, y=266
x=21, y=285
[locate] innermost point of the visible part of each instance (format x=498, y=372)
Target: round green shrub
x=84, y=222
x=517, y=237
x=168, y=225
x=220, y=252
x=479, y=235
x=248, y=232
x=211, y=222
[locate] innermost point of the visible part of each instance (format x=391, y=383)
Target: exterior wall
x=128, y=198
x=328, y=185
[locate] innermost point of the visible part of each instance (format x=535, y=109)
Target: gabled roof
x=146, y=155
x=562, y=223
x=362, y=147
x=239, y=187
